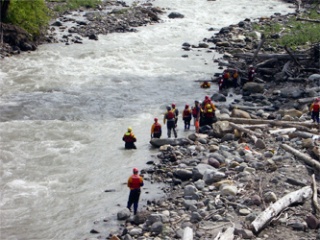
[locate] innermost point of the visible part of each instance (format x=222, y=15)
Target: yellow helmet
x=129, y=129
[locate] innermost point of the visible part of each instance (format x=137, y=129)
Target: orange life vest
x=134, y=181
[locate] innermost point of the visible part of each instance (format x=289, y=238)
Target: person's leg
x=169, y=131
x=130, y=200
x=136, y=201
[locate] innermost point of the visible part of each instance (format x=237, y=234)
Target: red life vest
x=316, y=107
x=157, y=128
x=170, y=115
x=135, y=182
x=129, y=137
x=186, y=113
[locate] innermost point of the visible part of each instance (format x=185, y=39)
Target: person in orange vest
x=205, y=84
x=135, y=182
x=156, y=130
x=169, y=117
x=226, y=78
x=235, y=78
x=209, y=113
x=315, y=108
x=129, y=139
x=186, y=116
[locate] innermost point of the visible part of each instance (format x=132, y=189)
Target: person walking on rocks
x=169, y=117
x=314, y=108
x=135, y=182
x=129, y=138
x=156, y=129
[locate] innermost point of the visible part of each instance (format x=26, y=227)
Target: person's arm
x=141, y=181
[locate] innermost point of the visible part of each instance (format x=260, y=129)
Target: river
x=64, y=109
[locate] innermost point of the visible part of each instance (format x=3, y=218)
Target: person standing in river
x=186, y=116
x=169, y=117
x=176, y=113
x=135, y=182
x=156, y=129
x=129, y=138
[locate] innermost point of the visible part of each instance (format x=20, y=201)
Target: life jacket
x=170, y=115
x=235, y=75
x=129, y=137
x=195, y=111
x=316, y=107
x=157, y=128
x=186, y=113
x=208, y=110
x=135, y=181
x=226, y=75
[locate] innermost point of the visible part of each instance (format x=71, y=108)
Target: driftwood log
x=314, y=196
x=305, y=135
x=278, y=56
x=308, y=20
x=253, y=135
x=262, y=121
x=307, y=159
x=274, y=209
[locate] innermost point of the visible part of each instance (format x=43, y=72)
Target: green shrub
x=33, y=15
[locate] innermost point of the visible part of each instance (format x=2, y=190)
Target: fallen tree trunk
x=306, y=100
x=274, y=209
x=308, y=20
x=307, y=159
x=263, y=39
x=278, y=56
x=248, y=108
x=262, y=121
x=314, y=196
x=292, y=56
x=282, y=131
x=253, y=135
x=305, y=135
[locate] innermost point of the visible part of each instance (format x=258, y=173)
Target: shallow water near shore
x=64, y=109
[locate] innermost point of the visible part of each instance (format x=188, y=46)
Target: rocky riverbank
x=255, y=173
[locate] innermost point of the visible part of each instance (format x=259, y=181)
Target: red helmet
x=156, y=119
x=187, y=105
x=173, y=105
x=135, y=170
x=206, y=97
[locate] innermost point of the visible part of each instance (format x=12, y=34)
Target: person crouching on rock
x=135, y=182
x=156, y=130
x=129, y=139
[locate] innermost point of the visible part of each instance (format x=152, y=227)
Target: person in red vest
x=169, y=117
x=314, y=108
x=129, y=139
x=156, y=129
x=186, y=116
x=135, y=182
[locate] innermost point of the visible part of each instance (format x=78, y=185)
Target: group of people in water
x=202, y=113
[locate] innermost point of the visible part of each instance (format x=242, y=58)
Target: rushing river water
x=64, y=109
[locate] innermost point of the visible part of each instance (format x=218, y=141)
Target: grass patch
x=292, y=33
x=69, y=5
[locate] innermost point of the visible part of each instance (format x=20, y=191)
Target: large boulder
x=238, y=113
x=220, y=128
x=253, y=87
